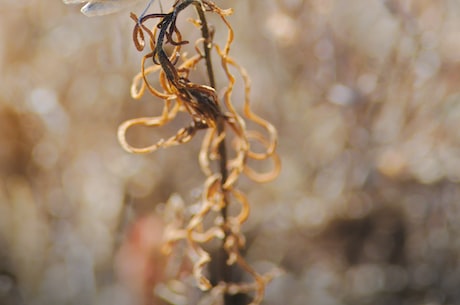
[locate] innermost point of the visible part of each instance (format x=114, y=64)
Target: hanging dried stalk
x=221, y=120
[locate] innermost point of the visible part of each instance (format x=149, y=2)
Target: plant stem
x=207, y=44
x=224, y=273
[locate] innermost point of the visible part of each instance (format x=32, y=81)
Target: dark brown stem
x=225, y=273
x=207, y=43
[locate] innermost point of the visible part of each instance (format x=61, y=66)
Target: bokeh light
x=366, y=100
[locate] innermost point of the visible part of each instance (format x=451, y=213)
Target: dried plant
x=222, y=122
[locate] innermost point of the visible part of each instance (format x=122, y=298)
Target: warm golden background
x=365, y=95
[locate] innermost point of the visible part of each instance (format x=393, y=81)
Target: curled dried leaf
x=222, y=119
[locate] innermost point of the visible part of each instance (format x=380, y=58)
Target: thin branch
x=224, y=268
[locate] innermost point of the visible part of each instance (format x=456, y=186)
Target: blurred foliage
x=364, y=95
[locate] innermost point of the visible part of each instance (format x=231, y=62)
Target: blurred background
x=366, y=100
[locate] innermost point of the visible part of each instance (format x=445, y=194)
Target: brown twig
x=225, y=270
